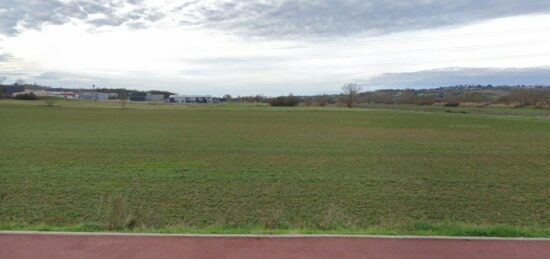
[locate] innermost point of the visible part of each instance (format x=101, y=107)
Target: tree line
x=351, y=95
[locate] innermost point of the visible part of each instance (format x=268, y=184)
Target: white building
x=192, y=99
x=155, y=97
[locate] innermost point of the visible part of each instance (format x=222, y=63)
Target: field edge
x=417, y=229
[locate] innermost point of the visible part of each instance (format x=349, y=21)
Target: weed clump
x=116, y=213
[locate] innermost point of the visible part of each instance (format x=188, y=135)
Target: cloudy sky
x=274, y=47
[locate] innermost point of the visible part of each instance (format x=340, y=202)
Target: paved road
x=33, y=245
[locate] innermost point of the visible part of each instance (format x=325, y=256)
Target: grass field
x=247, y=169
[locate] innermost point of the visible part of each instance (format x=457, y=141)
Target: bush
x=308, y=101
x=522, y=105
x=26, y=96
x=452, y=104
x=425, y=103
x=50, y=101
x=322, y=101
x=116, y=213
x=284, y=101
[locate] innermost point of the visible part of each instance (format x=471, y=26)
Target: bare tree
x=350, y=92
x=123, y=101
x=20, y=82
x=227, y=97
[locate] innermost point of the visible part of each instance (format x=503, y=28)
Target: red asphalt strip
x=58, y=246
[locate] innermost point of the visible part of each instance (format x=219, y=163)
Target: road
x=84, y=245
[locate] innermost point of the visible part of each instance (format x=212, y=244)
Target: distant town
x=24, y=91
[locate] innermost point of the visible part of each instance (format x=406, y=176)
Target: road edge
x=57, y=233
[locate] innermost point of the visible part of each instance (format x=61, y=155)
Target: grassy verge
x=417, y=229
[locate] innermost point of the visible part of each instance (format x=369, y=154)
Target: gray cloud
x=269, y=18
x=5, y=57
x=302, y=18
x=32, y=14
x=461, y=76
x=8, y=63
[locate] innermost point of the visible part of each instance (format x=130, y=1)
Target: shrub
x=452, y=104
x=26, y=96
x=50, y=101
x=322, y=101
x=274, y=219
x=522, y=105
x=284, y=101
x=308, y=101
x=123, y=102
x=425, y=103
x=116, y=212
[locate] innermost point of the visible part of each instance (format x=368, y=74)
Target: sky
x=274, y=47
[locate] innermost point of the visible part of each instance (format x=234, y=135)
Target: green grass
x=248, y=169
x=529, y=111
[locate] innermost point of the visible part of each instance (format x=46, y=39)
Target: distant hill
x=461, y=93
x=480, y=95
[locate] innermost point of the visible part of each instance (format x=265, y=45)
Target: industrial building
x=146, y=97
x=193, y=99
x=93, y=96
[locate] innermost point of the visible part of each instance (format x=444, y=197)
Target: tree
x=259, y=98
x=20, y=82
x=322, y=100
x=350, y=92
x=408, y=96
x=123, y=102
x=2, y=78
x=289, y=100
x=308, y=101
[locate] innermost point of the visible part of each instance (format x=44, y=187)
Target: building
x=138, y=97
x=93, y=96
x=9, y=90
x=155, y=97
x=143, y=97
x=39, y=93
x=65, y=95
x=193, y=99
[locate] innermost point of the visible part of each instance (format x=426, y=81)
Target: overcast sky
x=274, y=47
